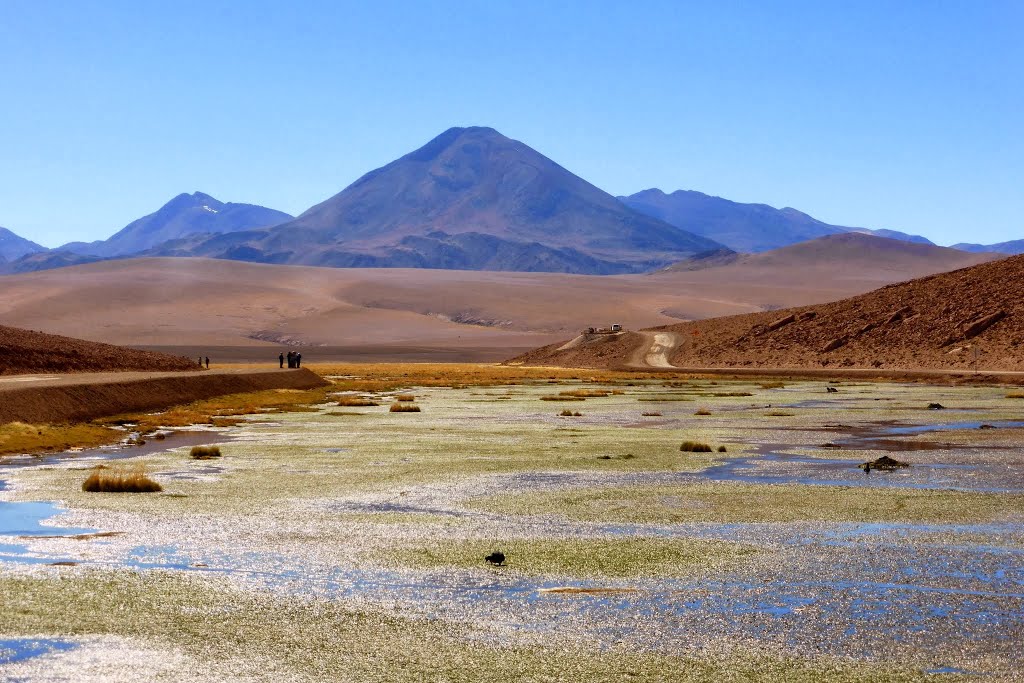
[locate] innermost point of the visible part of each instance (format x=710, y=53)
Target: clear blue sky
x=904, y=115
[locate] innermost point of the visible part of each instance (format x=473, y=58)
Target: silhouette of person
x=200, y=361
x=207, y=362
x=280, y=360
x=298, y=360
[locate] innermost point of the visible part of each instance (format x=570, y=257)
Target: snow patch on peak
x=209, y=209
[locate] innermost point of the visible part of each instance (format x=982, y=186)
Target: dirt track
x=40, y=399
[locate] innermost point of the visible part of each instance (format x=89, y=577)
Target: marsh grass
x=405, y=397
x=695, y=447
x=650, y=414
x=779, y=413
x=586, y=393
x=404, y=408
x=356, y=401
x=205, y=452
x=120, y=480
x=723, y=502
x=702, y=411
x=560, y=397
x=581, y=558
x=569, y=413
x=19, y=437
x=1015, y=394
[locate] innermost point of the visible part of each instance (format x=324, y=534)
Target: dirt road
x=655, y=350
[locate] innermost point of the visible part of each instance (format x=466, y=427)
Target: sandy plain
x=348, y=542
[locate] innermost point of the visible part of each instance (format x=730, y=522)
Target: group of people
x=294, y=359
x=207, y=362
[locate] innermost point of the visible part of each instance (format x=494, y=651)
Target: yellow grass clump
x=569, y=413
x=695, y=447
x=560, y=397
x=356, y=401
x=586, y=393
x=405, y=397
x=703, y=411
x=404, y=408
x=205, y=452
x=120, y=480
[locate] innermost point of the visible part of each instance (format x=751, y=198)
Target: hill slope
x=748, y=228
x=932, y=322
x=186, y=214
x=14, y=246
x=471, y=198
x=25, y=351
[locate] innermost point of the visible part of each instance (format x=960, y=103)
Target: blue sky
x=904, y=115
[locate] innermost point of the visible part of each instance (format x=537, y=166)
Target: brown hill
x=935, y=322
x=25, y=351
x=203, y=303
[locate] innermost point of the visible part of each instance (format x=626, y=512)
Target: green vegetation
x=583, y=557
x=727, y=503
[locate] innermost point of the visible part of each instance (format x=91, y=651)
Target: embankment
x=83, y=398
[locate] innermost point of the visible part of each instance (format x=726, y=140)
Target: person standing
x=298, y=359
x=200, y=362
x=207, y=362
x=280, y=359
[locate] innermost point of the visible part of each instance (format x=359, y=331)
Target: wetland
x=349, y=543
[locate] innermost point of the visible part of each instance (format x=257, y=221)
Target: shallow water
x=13, y=650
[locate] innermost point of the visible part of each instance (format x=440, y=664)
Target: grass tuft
x=356, y=401
x=650, y=414
x=205, y=452
x=695, y=447
x=562, y=398
x=586, y=393
x=569, y=413
x=703, y=411
x=405, y=398
x=404, y=408
x=119, y=480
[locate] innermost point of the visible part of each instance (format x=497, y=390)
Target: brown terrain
x=232, y=310
x=26, y=351
x=941, y=322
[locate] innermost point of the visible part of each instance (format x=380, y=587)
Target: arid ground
x=235, y=311
x=336, y=539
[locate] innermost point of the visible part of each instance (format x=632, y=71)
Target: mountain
x=1012, y=247
x=936, y=322
x=471, y=198
x=748, y=228
x=45, y=260
x=12, y=246
x=186, y=214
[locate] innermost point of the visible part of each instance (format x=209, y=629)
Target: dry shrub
x=1015, y=394
x=703, y=411
x=120, y=480
x=695, y=447
x=404, y=408
x=569, y=413
x=356, y=401
x=405, y=397
x=562, y=398
x=205, y=452
x=723, y=449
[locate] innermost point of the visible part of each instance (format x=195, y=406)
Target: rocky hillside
x=939, y=321
x=25, y=352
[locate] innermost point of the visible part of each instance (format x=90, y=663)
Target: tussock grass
x=586, y=393
x=120, y=480
x=695, y=447
x=778, y=413
x=1015, y=394
x=723, y=449
x=205, y=452
x=404, y=408
x=702, y=411
x=560, y=397
x=569, y=413
x=405, y=397
x=356, y=401
x=650, y=414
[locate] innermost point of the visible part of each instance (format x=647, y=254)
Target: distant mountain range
x=1012, y=247
x=748, y=228
x=183, y=216
x=471, y=199
x=14, y=247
